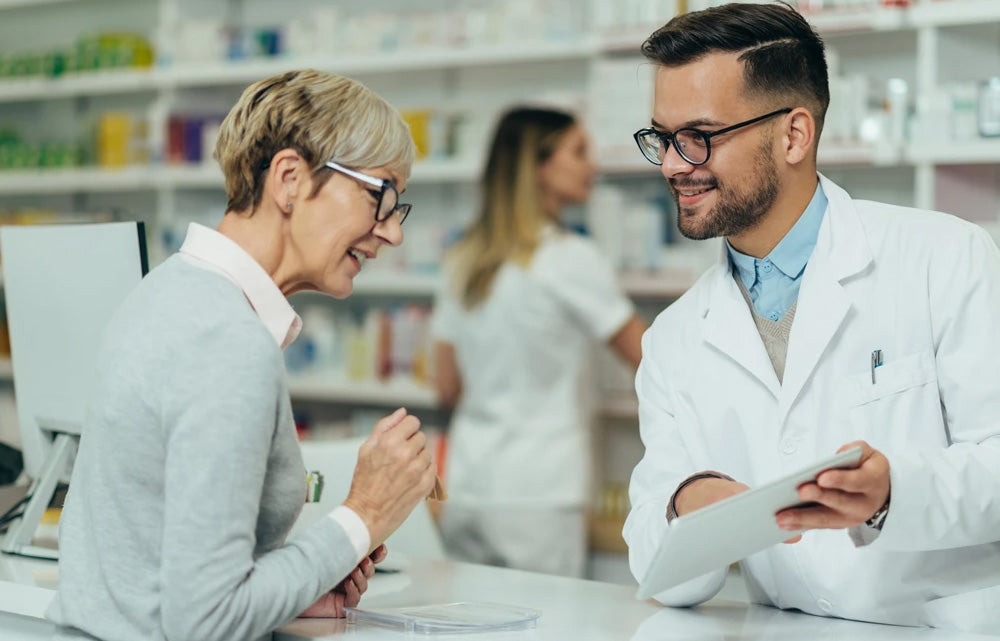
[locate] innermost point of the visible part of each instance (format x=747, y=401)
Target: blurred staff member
x=190, y=475
x=521, y=306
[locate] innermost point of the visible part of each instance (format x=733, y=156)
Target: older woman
x=189, y=475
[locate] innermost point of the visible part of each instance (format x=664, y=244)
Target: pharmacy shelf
x=620, y=40
x=17, y=4
x=858, y=19
x=395, y=283
x=92, y=83
x=848, y=154
x=461, y=170
x=948, y=13
x=926, y=13
x=414, y=396
x=243, y=72
x=624, y=161
x=619, y=404
x=204, y=176
x=618, y=162
x=973, y=152
x=394, y=392
x=209, y=175
x=667, y=284
x=91, y=180
x=240, y=73
x=863, y=19
x=626, y=39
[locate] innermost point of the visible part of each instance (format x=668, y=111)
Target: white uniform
x=925, y=289
x=519, y=439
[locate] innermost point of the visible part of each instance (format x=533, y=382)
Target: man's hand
x=843, y=498
x=703, y=492
x=347, y=594
x=698, y=494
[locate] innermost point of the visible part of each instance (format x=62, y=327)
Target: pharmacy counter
x=571, y=609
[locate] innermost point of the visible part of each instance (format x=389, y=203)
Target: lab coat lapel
x=729, y=327
x=841, y=251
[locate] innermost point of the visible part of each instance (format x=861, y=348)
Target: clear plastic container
x=445, y=618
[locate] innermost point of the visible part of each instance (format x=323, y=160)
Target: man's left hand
x=841, y=498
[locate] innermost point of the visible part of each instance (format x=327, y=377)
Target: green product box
x=19, y=156
x=54, y=64
x=33, y=155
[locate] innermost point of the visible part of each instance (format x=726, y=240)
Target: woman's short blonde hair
x=322, y=116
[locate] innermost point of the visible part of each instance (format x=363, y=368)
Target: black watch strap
x=877, y=520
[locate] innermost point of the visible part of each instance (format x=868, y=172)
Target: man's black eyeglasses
x=693, y=145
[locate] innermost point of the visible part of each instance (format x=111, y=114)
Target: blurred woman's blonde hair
x=511, y=215
x=323, y=117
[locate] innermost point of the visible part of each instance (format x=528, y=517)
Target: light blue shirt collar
x=793, y=251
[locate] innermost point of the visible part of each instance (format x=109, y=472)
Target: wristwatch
x=877, y=520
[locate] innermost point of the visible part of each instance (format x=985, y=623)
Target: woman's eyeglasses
x=388, y=197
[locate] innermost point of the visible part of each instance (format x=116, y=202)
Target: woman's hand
x=347, y=594
x=394, y=473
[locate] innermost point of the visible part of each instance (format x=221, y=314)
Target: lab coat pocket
x=905, y=393
x=974, y=611
x=893, y=377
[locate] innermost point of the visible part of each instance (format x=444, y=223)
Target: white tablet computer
x=730, y=530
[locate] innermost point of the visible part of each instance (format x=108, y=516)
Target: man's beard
x=734, y=212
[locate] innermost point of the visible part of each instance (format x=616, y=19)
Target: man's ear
x=284, y=179
x=800, y=136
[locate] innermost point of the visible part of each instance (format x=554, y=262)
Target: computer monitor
x=62, y=283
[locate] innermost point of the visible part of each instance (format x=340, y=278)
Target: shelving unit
x=383, y=394
x=483, y=79
x=242, y=73
x=924, y=18
x=951, y=13
x=13, y=4
x=95, y=83
x=391, y=393
x=204, y=176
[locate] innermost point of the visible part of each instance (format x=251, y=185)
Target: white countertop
x=572, y=610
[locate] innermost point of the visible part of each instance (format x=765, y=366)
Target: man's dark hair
x=782, y=54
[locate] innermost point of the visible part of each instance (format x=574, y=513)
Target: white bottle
x=989, y=107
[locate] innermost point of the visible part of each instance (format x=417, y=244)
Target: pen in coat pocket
x=876, y=362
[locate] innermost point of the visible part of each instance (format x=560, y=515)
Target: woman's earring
x=288, y=207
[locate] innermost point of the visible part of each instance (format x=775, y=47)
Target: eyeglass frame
x=667, y=138
x=384, y=185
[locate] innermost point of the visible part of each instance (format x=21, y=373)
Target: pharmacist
x=522, y=303
x=829, y=321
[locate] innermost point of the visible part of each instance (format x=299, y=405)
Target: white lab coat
x=520, y=433
x=925, y=289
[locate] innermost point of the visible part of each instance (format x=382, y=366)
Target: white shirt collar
x=211, y=250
